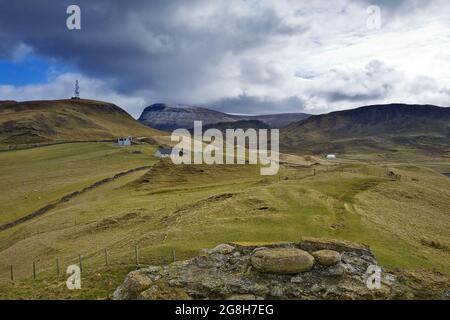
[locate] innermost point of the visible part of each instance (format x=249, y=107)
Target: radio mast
x=77, y=90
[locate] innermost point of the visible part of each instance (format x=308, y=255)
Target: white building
x=124, y=142
x=330, y=156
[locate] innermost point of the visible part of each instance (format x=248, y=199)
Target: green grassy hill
x=39, y=122
x=172, y=211
x=33, y=178
x=383, y=129
x=183, y=209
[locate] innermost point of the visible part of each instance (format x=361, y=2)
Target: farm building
x=330, y=156
x=124, y=142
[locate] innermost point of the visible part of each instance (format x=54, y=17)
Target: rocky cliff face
x=169, y=117
x=311, y=269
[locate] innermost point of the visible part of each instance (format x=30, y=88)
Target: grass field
x=28, y=123
x=34, y=177
x=183, y=209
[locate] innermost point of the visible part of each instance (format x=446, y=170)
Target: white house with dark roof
x=124, y=142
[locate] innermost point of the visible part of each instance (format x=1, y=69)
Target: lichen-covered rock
x=282, y=260
x=242, y=297
x=135, y=282
x=249, y=247
x=314, y=244
x=161, y=291
x=223, y=249
x=327, y=257
x=223, y=273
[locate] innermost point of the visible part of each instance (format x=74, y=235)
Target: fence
x=135, y=259
x=56, y=268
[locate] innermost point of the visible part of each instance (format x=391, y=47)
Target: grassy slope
x=386, y=129
x=189, y=208
x=36, y=122
x=32, y=178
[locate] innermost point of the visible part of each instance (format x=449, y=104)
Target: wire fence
x=132, y=258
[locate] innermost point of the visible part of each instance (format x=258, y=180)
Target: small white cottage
x=124, y=142
x=330, y=156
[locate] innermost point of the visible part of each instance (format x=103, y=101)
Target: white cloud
x=317, y=53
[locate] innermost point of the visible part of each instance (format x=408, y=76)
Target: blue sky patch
x=31, y=70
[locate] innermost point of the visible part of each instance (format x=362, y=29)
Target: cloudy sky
x=248, y=56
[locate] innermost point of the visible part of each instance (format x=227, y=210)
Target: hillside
x=279, y=120
x=172, y=212
x=37, y=122
x=380, y=128
x=241, y=124
x=169, y=117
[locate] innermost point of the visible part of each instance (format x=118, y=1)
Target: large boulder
x=282, y=260
x=327, y=257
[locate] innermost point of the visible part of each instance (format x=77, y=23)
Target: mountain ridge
x=372, y=128
x=49, y=121
x=169, y=117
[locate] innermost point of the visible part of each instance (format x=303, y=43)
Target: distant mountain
x=35, y=122
x=278, y=121
x=241, y=124
x=169, y=117
x=379, y=128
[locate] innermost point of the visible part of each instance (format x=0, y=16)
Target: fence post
x=136, y=254
x=12, y=273
x=80, y=263
x=34, y=270
x=57, y=267
x=174, y=257
x=314, y=171
x=106, y=257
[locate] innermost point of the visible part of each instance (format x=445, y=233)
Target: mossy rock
x=282, y=260
x=327, y=257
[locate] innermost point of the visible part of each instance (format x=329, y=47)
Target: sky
x=247, y=56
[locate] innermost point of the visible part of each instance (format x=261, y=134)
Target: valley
x=74, y=196
x=174, y=211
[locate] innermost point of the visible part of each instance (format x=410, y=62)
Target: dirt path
x=68, y=197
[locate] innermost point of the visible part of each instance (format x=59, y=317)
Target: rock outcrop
x=311, y=269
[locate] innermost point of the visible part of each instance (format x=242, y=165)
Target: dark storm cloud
x=238, y=56
x=256, y=105
x=139, y=45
